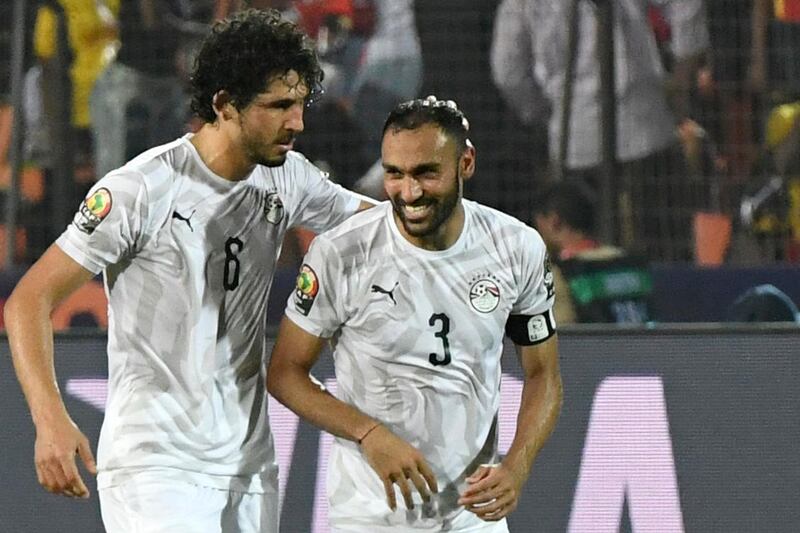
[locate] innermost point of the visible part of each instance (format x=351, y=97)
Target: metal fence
x=735, y=198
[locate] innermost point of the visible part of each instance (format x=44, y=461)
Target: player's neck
x=222, y=156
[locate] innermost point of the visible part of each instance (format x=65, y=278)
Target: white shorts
x=500, y=526
x=147, y=503
x=357, y=503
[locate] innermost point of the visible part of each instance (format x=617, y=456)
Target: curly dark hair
x=416, y=113
x=243, y=52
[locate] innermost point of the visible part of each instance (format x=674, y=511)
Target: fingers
x=480, y=473
x=498, y=509
x=493, y=496
x=422, y=479
x=428, y=475
x=51, y=477
x=59, y=475
x=398, y=463
x=388, y=486
x=487, y=482
x=421, y=484
x=74, y=483
x=85, y=452
x=402, y=484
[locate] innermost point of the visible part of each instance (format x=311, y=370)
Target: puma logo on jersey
x=389, y=293
x=188, y=219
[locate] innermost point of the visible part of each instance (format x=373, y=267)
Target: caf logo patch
x=306, y=290
x=537, y=328
x=93, y=210
x=273, y=208
x=484, y=295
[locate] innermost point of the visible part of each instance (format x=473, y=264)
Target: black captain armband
x=527, y=330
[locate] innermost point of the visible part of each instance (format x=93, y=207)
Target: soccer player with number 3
x=418, y=294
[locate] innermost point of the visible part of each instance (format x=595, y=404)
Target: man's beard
x=254, y=148
x=442, y=209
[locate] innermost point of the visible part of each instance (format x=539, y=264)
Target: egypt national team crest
x=93, y=210
x=306, y=290
x=484, y=295
x=273, y=208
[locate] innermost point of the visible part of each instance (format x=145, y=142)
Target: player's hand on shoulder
x=57, y=442
x=492, y=492
x=398, y=463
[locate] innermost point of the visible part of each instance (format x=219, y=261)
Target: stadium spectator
x=594, y=282
x=187, y=236
x=89, y=28
x=529, y=62
x=340, y=29
x=390, y=72
x=138, y=101
x=419, y=293
x=775, y=46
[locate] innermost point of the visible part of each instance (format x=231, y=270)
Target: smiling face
x=423, y=178
x=269, y=124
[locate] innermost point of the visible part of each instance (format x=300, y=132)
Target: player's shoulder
x=153, y=178
x=359, y=238
x=298, y=160
x=505, y=230
x=158, y=167
x=295, y=171
x=498, y=223
x=358, y=227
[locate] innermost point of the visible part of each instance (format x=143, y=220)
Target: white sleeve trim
x=76, y=253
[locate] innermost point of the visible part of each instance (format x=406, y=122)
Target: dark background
x=732, y=399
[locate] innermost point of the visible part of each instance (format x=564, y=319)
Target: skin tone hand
x=492, y=492
x=30, y=334
x=397, y=463
x=57, y=443
x=288, y=380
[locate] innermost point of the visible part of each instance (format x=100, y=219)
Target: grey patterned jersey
x=419, y=336
x=188, y=259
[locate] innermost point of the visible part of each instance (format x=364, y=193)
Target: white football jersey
x=419, y=336
x=188, y=259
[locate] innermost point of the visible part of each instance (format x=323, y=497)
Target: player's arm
x=288, y=380
x=493, y=491
x=30, y=334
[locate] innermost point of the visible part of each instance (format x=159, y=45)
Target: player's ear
x=467, y=161
x=223, y=105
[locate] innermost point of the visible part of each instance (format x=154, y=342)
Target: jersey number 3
x=435, y=358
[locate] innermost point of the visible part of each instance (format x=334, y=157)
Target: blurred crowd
x=707, y=95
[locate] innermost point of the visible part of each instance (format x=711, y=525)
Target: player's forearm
x=539, y=409
x=292, y=386
x=30, y=337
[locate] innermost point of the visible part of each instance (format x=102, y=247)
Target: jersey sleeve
x=109, y=224
x=322, y=204
x=536, y=295
x=316, y=302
